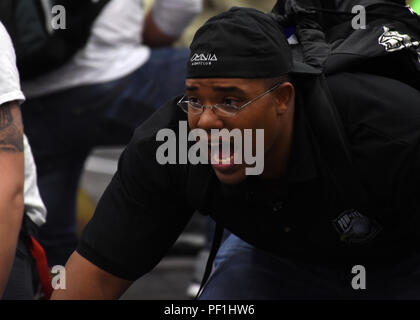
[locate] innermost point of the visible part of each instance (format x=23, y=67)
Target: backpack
x=40, y=46
x=388, y=46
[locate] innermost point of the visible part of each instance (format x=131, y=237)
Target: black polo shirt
x=302, y=216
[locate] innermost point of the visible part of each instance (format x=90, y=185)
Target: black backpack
x=39, y=47
x=389, y=45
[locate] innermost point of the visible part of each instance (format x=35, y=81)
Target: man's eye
x=194, y=102
x=231, y=101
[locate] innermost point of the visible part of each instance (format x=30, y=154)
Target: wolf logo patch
x=355, y=228
x=394, y=41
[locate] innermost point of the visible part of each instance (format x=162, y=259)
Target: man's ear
x=284, y=97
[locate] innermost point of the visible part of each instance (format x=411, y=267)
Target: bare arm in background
x=11, y=186
x=166, y=21
x=153, y=36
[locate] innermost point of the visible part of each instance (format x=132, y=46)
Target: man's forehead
x=222, y=82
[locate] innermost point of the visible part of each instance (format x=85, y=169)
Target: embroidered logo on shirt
x=355, y=228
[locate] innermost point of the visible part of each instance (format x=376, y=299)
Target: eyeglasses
x=223, y=109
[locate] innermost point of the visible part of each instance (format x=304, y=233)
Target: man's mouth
x=222, y=155
x=218, y=157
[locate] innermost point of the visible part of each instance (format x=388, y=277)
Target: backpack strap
x=217, y=240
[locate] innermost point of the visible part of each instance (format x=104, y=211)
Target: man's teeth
x=226, y=160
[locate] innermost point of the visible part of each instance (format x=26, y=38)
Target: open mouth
x=222, y=154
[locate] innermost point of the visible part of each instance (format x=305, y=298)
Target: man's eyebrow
x=230, y=90
x=191, y=88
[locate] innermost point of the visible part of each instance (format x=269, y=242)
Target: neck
x=277, y=159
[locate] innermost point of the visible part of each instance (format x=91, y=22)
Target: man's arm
x=153, y=36
x=11, y=186
x=167, y=20
x=85, y=281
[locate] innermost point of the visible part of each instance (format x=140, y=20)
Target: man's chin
x=230, y=177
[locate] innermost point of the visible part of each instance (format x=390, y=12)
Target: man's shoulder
x=383, y=105
x=166, y=117
x=194, y=180
x=381, y=118
x=151, y=142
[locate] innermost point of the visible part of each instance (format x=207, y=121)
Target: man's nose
x=209, y=120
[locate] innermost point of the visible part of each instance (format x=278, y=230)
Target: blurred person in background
x=126, y=70
x=21, y=208
x=415, y=4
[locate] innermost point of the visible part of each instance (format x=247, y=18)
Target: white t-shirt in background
x=115, y=47
x=9, y=76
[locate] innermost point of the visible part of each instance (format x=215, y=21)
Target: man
x=126, y=70
x=18, y=272
x=299, y=227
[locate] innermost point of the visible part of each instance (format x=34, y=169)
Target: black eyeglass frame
x=200, y=107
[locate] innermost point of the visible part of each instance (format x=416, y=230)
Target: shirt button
x=277, y=207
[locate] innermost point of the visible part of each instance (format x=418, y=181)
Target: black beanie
x=241, y=43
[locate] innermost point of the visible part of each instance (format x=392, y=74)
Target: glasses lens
x=184, y=106
x=225, y=110
x=190, y=107
x=194, y=107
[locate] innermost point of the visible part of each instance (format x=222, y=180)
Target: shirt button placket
x=277, y=207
